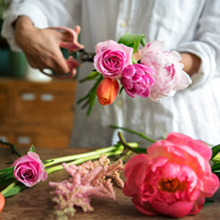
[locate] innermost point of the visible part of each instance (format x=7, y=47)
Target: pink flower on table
x=169, y=76
x=172, y=179
x=137, y=80
x=29, y=169
x=111, y=58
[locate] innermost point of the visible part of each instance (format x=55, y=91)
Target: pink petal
x=22, y=159
x=128, y=71
x=129, y=92
x=198, y=205
x=145, y=209
x=185, y=81
x=166, y=149
x=145, y=94
x=197, y=145
x=34, y=155
x=130, y=173
x=127, y=83
x=135, y=160
x=176, y=210
x=210, y=185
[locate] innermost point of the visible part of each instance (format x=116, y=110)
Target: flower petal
x=176, y=210
x=145, y=209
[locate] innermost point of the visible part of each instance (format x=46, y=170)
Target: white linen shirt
x=185, y=26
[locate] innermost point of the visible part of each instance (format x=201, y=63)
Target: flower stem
x=134, y=132
x=86, y=158
x=9, y=187
x=77, y=156
x=12, y=146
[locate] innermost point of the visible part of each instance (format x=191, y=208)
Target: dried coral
x=87, y=180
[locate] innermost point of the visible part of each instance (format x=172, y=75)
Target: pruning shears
x=77, y=54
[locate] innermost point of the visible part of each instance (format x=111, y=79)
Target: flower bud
x=107, y=91
x=2, y=202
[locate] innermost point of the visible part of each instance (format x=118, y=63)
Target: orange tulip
x=107, y=91
x=2, y=202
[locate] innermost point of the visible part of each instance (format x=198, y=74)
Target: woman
x=189, y=27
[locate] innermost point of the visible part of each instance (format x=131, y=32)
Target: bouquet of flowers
x=157, y=74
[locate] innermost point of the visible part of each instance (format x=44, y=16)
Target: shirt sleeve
x=206, y=44
x=43, y=13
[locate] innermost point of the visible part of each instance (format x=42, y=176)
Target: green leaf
x=132, y=40
x=122, y=88
x=6, y=170
x=143, y=41
x=32, y=149
x=91, y=96
x=48, y=161
x=139, y=150
x=208, y=202
x=133, y=60
x=92, y=76
x=216, y=167
x=7, y=181
x=215, y=150
x=7, y=173
x=9, y=163
x=15, y=190
x=10, y=175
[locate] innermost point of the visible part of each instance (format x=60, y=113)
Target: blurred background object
x=12, y=64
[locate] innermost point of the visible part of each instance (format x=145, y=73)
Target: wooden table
x=35, y=203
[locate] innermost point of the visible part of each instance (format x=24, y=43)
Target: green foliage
x=15, y=190
x=132, y=40
x=32, y=149
x=91, y=95
x=208, y=202
x=216, y=167
x=215, y=150
x=92, y=76
x=7, y=181
x=6, y=173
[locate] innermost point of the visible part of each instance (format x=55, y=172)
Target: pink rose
x=137, y=79
x=169, y=76
x=111, y=58
x=172, y=179
x=29, y=169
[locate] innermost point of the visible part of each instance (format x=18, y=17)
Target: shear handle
x=85, y=56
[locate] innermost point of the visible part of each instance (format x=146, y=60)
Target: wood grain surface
x=35, y=203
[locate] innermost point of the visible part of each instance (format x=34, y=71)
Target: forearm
x=191, y=63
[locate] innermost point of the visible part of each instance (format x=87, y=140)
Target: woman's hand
x=191, y=63
x=42, y=46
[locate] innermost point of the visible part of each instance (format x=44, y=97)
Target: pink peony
x=107, y=91
x=172, y=179
x=137, y=79
x=169, y=76
x=111, y=58
x=29, y=169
